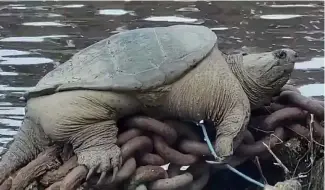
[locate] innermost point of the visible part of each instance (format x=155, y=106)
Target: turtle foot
x=101, y=161
x=224, y=147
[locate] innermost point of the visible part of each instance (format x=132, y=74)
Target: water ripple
x=19, y=8
x=10, y=122
x=171, y=19
x=315, y=63
x=5, y=140
x=219, y=28
x=5, y=131
x=16, y=5
x=312, y=39
x=311, y=90
x=5, y=104
x=25, y=61
x=115, y=12
x=188, y=9
x=72, y=6
x=2, y=73
x=12, y=111
x=12, y=52
x=279, y=16
x=14, y=89
x=31, y=38
x=44, y=24
x=292, y=5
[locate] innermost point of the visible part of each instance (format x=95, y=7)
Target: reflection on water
x=312, y=90
x=12, y=52
x=115, y=12
x=10, y=123
x=72, y=6
x=5, y=140
x=25, y=61
x=293, y=5
x=315, y=63
x=11, y=88
x=171, y=19
x=43, y=24
x=279, y=16
x=188, y=9
x=35, y=36
x=12, y=111
x=31, y=38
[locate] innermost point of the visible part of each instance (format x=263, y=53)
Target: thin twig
x=311, y=129
x=257, y=162
x=303, y=156
x=286, y=170
x=300, y=135
x=268, y=110
x=281, y=141
x=312, y=153
x=318, y=143
x=306, y=173
x=261, y=130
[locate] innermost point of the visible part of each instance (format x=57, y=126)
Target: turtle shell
x=138, y=59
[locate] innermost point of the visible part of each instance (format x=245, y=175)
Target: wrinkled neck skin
x=258, y=95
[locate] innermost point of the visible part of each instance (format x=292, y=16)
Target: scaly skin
x=212, y=92
x=217, y=89
x=262, y=74
x=87, y=120
x=28, y=143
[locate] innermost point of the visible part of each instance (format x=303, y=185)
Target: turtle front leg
x=28, y=143
x=95, y=147
x=229, y=134
x=87, y=120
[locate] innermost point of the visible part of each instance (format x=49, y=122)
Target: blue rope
x=227, y=165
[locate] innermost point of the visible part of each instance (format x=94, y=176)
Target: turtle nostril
x=296, y=55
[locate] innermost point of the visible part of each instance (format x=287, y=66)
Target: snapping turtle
x=177, y=71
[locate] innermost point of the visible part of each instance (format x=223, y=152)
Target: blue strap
x=206, y=138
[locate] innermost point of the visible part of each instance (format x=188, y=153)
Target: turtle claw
x=101, y=178
x=100, y=161
x=115, y=170
x=91, y=172
x=120, y=162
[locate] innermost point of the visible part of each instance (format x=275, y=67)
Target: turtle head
x=262, y=74
x=270, y=69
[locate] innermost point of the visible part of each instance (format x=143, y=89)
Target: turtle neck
x=255, y=92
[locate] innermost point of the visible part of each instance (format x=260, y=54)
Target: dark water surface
x=37, y=36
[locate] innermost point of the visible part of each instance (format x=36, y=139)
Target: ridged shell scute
x=137, y=59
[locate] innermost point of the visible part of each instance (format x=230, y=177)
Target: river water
x=37, y=36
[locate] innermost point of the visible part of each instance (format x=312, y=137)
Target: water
x=37, y=36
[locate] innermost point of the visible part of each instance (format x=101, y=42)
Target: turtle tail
x=27, y=144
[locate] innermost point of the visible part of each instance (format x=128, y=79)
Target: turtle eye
x=282, y=55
